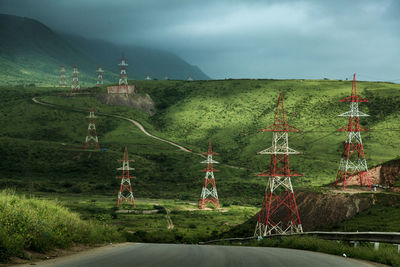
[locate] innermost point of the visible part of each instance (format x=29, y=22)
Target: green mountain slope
x=142, y=61
x=30, y=52
x=232, y=111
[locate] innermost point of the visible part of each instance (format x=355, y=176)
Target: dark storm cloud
x=280, y=39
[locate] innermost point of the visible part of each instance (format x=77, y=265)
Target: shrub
x=41, y=225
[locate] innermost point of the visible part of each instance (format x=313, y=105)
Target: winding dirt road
x=137, y=124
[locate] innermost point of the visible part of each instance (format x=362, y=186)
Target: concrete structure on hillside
x=116, y=89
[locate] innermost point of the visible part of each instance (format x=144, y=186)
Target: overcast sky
x=242, y=38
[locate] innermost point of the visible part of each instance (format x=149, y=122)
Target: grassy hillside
x=48, y=142
x=232, y=111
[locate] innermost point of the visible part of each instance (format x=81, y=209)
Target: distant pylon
x=99, y=77
x=63, y=80
x=75, y=87
x=353, y=159
x=279, y=214
x=123, y=79
x=209, y=195
x=125, y=189
x=91, y=136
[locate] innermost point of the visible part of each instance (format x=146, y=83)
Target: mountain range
x=32, y=53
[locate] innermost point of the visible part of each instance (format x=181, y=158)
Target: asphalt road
x=174, y=255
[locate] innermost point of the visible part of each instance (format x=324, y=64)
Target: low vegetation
x=387, y=253
x=40, y=225
x=147, y=222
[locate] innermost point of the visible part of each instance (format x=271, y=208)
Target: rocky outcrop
x=141, y=102
x=326, y=209
x=385, y=174
x=320, y=210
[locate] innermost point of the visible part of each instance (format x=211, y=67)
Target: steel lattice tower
x=91, y=136
x=279, y=214
x=63, y=80
x=125, y=189
x=123, y=79
x=75, y=87
x=99, y=77
x=353, y=157
x=209, y=195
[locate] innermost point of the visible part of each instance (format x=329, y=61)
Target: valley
x=49, y=141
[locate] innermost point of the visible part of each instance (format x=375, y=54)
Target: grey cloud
x=277, y=39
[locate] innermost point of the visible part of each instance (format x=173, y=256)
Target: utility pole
x=63, y=81
x=75, y=87
x=209, y=191
x=123, y=79
x=91, y=136
x=99, y=77
x=279, y=214
x=353, y=158
x=125, y=189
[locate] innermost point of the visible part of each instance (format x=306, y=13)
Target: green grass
x=384, y=216
x=387, y=253
x=232, y=111
x=190, y=224
x=42, y=225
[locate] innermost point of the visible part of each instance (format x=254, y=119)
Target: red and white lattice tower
x=75, y=87
x=125, y=189
x=123, y=79
x=353, y=159
x=63, y=80
x=209, y=191
x=99, y=77
x=91, y=140
x=279, y=214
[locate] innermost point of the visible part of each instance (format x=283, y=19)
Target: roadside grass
x=41, y=225
x=387, y=253
x=378, y=218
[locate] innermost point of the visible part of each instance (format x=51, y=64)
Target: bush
x=41, y=225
